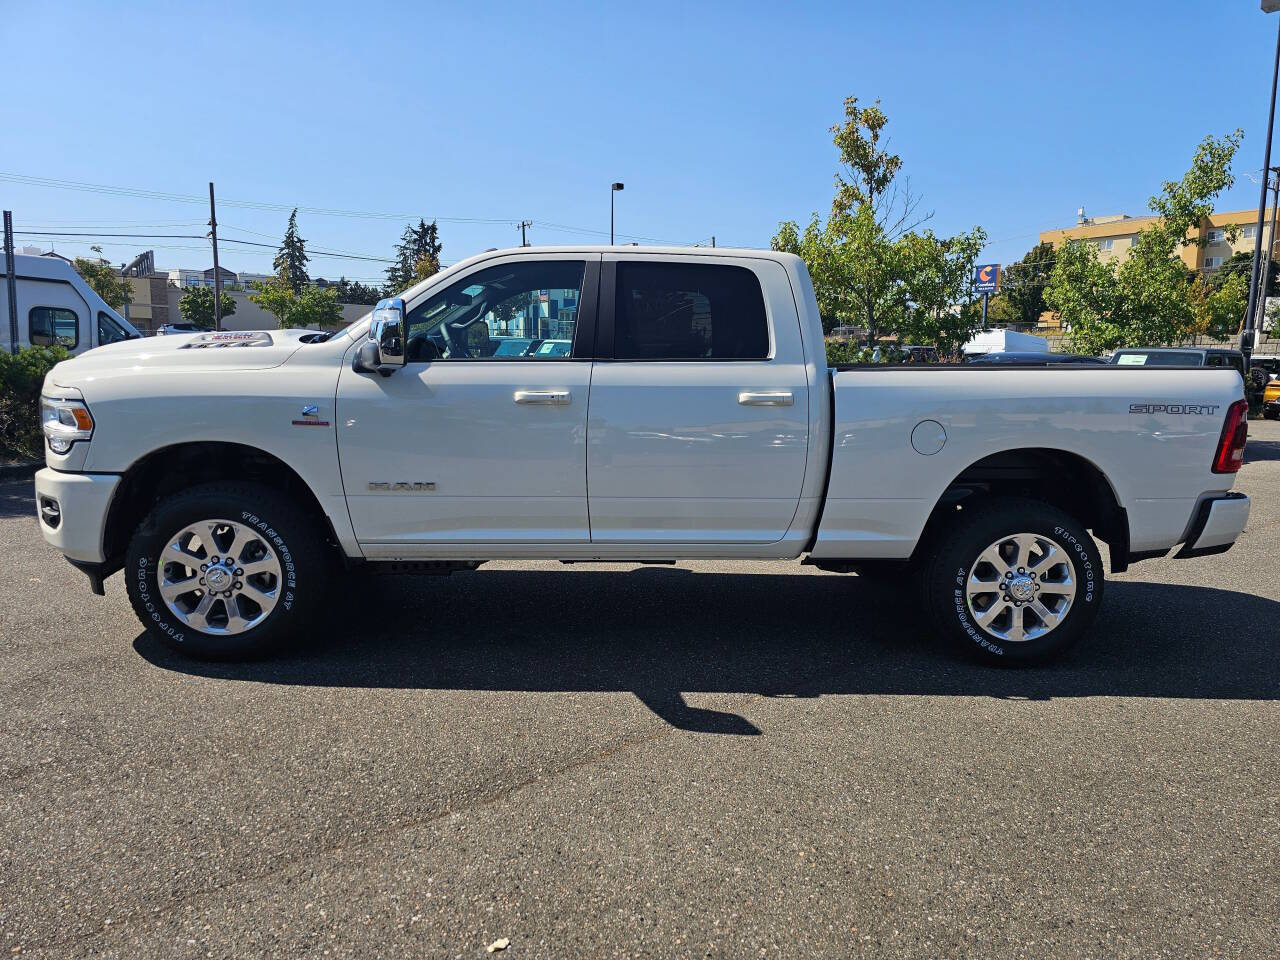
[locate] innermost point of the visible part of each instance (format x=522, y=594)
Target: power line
x=144, y=194
x=330, y=254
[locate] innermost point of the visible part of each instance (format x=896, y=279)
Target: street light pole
x=1251, y=313
x=613, y=188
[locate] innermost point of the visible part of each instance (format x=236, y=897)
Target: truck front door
x=699, y=423
x=481, y=437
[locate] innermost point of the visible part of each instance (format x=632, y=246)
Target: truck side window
x=689, y=311
x=514, y=311
x=53, y=326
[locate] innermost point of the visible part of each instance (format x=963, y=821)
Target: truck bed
x=903, y=435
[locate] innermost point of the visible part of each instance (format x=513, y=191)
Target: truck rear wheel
x=1015, y=581
x=225, y=571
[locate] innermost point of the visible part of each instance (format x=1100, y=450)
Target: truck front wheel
x=225, y=571
x=1015, y=581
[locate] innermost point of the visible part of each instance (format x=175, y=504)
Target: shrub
x=21, y=376
x=849, y=351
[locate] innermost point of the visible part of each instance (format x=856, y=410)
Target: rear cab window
x=688, y=311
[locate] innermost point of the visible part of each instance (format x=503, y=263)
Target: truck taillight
x=1235, y=432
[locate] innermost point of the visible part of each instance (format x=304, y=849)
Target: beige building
x=1115, y=236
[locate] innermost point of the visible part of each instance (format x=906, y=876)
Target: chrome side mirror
x=385, y=348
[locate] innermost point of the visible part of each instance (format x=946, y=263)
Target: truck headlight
x=64, y=422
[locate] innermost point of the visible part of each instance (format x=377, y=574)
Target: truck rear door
x=698, y=424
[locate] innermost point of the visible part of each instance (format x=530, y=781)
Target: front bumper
x=1218, y=522
x=72, y=508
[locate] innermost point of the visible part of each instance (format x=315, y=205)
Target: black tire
x=1271, y=414
x=300, y=556
x=981, y=525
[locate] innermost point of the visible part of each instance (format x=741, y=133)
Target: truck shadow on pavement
x=1257, y=450
x=660, y=633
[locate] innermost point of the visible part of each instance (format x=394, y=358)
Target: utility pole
x=10, y=281
x=713, y=240
x=217, y=276
x=524, y=225
x=1251, y=316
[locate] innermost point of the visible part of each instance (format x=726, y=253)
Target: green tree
x=312, y=307
x=400, y=273
x=852, y=267
x=417, y=256
x=196, y=305
x=352, y=291
x=315, y=309
x=1022, y=283
x=935, y=278
x=870, y=268
x=105, y=280
x=1242, y=263
x=290, y=263
x=1000, y=313
x=1151, y=298
x=429, y=248
x=1218, y=309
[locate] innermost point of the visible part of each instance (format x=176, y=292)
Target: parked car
x=56, y=308
x=1270, y=364
x=920, y=354
x=1271, y=400
x=1179, y=357
x=553, y=348
x=512, y=346
x=716, y=429
x=180, y=327
x=1034, y=359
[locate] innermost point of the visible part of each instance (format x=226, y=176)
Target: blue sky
x=716, y=116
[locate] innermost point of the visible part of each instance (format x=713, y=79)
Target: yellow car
x=1271, y=401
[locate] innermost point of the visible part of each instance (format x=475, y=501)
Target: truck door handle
x=774, y=398
x=557, y=397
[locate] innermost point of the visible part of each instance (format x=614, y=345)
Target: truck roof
x=788, y=260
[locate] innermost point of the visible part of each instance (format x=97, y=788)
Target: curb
x=20, y=471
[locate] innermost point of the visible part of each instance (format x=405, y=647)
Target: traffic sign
x=986, y=278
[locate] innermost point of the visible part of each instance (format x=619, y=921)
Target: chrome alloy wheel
x=1021, y=587
x=219, y=576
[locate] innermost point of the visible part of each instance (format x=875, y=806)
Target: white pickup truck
x=619, y=405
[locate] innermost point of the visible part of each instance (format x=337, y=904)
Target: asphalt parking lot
x=708, y=760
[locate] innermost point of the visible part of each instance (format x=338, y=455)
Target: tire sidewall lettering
x=1084, y=562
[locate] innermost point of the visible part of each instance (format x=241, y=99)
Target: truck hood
x=229, y=350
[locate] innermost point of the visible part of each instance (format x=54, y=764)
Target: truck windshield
x=111, y=332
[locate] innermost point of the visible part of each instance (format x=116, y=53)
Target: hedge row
x=21, y=376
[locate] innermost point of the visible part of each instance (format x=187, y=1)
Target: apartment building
x=1115, y=236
